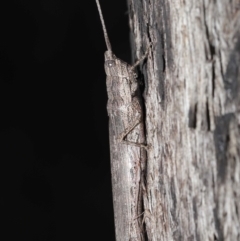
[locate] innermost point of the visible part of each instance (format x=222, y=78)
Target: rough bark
x=192, y=101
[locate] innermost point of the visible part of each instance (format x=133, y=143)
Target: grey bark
x=192, y=104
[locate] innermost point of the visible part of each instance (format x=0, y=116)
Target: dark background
x=54, y=153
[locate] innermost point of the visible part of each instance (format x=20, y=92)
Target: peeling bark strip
x=192, y=101
x=127, y=144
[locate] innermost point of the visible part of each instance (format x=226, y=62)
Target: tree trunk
x=191, y=96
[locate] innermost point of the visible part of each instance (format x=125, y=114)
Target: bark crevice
x=192, y=120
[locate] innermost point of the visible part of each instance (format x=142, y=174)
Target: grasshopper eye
x=110, y=63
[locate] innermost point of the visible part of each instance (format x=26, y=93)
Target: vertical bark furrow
x=192, y=106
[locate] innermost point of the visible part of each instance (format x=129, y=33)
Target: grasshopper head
x=114, y=66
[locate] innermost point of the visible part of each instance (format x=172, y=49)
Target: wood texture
x=192, y=100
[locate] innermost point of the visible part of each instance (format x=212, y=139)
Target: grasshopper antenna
x=104, y=27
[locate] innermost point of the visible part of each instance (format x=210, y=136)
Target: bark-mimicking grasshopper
x=126, y=126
